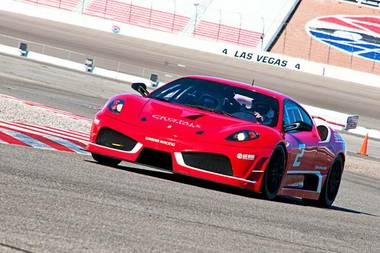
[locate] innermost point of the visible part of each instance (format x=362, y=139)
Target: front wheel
x=331, y=186
x=104, y=160
x=273, y=174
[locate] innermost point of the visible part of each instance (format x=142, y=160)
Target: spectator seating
x=137, y=15
x=61, y=4
x=227, y=33
x=161, y=17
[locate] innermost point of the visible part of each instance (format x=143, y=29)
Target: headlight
x=244, y=135
x=116, y=105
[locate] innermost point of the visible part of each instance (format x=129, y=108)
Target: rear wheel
x=273, y=174
x=105, y=160
x=331, y=186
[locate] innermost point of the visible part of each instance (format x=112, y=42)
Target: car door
x=302, y=144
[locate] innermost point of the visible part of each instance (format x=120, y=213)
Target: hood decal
x=175, y=121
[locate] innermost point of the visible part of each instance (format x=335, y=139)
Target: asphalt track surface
x=138, y=56
x=57, y=202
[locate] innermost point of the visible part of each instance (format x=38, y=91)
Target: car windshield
x=220, y=98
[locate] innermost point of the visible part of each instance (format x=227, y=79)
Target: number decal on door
x=297, y=161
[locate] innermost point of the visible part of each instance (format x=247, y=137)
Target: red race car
x=225, y=132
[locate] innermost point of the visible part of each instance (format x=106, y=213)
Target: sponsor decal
x=245, y=156
x=176, y=121
x=297, y=160
x=167, y=143
x=358, y=36
x=261, y=58
x=115, y=29
x=320, y=167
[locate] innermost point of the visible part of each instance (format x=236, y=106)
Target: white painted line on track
x=26, y=139
x=67, y=144
x=42, y=133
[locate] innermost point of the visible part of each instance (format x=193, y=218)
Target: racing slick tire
x=330, y=187
x=273, y=174
x=104, y=160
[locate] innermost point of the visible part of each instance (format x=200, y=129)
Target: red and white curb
x=43, y=137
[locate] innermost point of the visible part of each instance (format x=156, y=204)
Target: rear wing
x=352, y=122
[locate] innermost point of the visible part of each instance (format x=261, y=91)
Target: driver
x=265, y=119
x=264, y=114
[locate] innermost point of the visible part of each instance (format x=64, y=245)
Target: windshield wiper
x=160, y=99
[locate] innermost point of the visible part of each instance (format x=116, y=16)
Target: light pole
x=263, y=33
x=196, y=15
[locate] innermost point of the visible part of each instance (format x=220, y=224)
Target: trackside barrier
x=334, y=119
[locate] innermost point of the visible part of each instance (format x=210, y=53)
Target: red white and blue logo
x=356, y=35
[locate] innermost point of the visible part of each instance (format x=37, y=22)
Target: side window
x=293, y=113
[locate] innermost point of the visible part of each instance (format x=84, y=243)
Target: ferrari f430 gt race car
x=226, y=132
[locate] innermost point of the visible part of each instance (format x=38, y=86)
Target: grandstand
x=69, y=5
x=254, y=25
x=166, y=19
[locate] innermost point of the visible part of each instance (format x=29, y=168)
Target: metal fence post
x=220, y=24
x=310, y=47
x=238, y=41
x=150, y=14
x=83, y=4
x=105, y=9
x=328, y=55
x=285, y=32
x=174, y=15
x=262, y=33
x=196, y=16
x=130, y=12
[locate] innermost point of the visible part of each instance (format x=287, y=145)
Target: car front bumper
x=247, y=164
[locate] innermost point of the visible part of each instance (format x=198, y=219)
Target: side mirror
x=140, y=88
x=297, y=126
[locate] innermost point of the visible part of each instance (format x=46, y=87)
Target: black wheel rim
x=275, y=173
x=334, y=181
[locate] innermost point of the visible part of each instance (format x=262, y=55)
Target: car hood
x=159, y=119
x=180, y=122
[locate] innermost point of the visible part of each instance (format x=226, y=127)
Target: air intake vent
x=112, y=139
x=155, y=158
x=210, y=162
